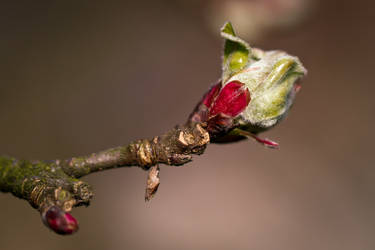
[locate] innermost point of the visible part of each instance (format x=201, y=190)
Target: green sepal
x=237, y=52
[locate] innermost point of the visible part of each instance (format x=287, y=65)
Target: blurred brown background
x=80, y=76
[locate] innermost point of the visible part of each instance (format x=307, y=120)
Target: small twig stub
x=153, y=182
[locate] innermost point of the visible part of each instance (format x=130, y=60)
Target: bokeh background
x=80, y=76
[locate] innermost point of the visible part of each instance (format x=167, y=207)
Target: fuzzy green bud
x=256, y=91
x=272, y=84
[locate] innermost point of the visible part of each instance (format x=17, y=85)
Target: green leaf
x=237, y=52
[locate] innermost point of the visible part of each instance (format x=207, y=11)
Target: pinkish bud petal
x=232, y=100
x=200, y=112
x=210, y=96
x=266, y=142
x=59, y=221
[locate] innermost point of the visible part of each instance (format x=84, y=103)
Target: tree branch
x=173, y=148
x=54, y=187
x=255, y=92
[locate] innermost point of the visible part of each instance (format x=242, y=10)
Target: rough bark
x=47, y=185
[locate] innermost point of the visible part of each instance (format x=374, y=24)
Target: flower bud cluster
x=255, y=92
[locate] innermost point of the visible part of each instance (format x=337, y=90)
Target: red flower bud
x=210, y=96
x=59, y=221
x=200, y=113
x=271, y=77
x=219, y=106
x=231, y=101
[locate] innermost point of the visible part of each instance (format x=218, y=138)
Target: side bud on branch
x=255, y=92
x=59, y=221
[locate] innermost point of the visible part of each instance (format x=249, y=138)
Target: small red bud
x=200, y=112
x=59, y=221
x=220, y=105
x=210, y=96
x=232, y=100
